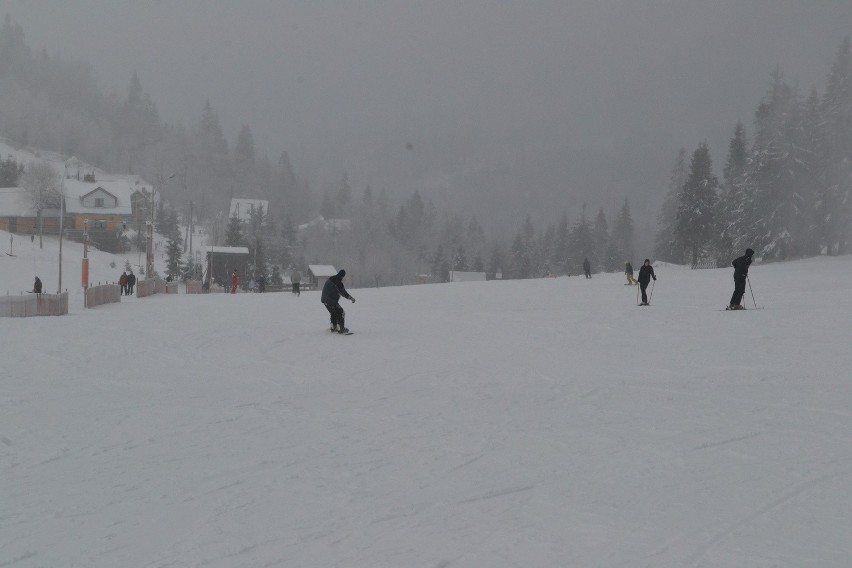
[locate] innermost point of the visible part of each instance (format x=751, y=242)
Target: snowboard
x=337, y=333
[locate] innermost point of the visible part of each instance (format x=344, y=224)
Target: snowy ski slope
x=532, y=423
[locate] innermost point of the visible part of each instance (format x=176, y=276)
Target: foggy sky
x=590, y=99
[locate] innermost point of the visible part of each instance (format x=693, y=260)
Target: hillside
x=18, y=272
x=532, y=423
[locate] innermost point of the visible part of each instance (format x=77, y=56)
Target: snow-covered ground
x=528, y=423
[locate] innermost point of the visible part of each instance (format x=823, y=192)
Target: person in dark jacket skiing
x=587, y=268
x=740, y=265
x=646, y=272
x=331, y=292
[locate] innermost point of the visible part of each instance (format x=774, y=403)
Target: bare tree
x=41, y=181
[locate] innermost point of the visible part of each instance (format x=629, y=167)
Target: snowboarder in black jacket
x=331, y=292
x=646, y=272
x=740, y=265
x=37, y=285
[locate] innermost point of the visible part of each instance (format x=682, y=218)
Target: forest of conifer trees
x=784, y=192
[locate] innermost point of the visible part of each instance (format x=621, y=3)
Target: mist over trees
x=785, y=194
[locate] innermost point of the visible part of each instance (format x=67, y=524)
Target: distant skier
x=587, y=268
x=295, y=280
x=331, y=292
x=37, y=286
x=235, y=281
x=645, y=275
x=122, y=281
x=131, y=283
x=628, y=271
x=740, y=265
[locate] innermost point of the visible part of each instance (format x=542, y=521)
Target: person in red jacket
x=235, y=281
x=123, y=283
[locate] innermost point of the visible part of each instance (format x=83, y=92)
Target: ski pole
x=651, y=297
x=752, y=292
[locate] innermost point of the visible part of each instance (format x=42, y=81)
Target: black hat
x=342, y=273
x=749, y=252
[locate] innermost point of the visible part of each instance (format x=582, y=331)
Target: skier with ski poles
x=331, y=292
x=646, y=272
x=740, y=265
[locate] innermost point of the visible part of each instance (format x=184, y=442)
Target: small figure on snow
x=131, y=283
x=122, y=280
x=331, y=292
x=235, y=281
x=295, y=279
x=628, y=271
x=37, y=286
x=740, y=265
x=587, y=268
x=645, y=275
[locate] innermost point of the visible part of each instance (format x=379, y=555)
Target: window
x=100, y=225
x=99, y=202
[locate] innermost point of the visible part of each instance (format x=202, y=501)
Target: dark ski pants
x=644, y=286
x=296, y=288
x=337, y=313
x=588, y=273
x=739, y=290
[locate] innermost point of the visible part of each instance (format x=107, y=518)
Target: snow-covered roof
x=16, y=202
x=327, y=224
x=227, y=250
x=322, y=270
x=242, y=207
x=76, y=190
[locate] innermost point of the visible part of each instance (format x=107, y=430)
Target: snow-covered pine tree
x=582, y=244
x=559, y=260
x=623, y=233
x=607, y=254
x=440, y=266
x=731, y=207
x=460, y=259
x=780, y=175
x=173, y=254
x=836, y=158
x=664, y=248
x=695, y=221
x=543, y=248
x=234, y=232
x=522, y=261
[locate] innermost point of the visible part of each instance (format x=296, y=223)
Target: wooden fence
x=151, y=286
x=102, y=294
x=29, y=305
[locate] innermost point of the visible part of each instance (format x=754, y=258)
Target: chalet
x=318, y=274
x=18, y=213
x=221, y=262
x=243, y=208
